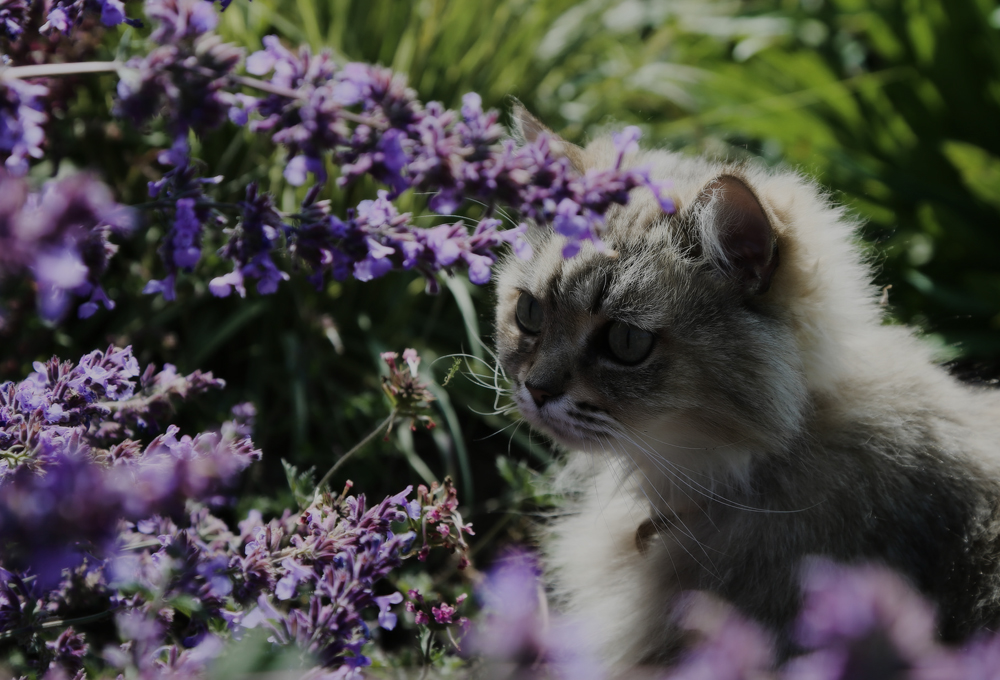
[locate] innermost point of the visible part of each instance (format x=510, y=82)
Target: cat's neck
x=680, y=466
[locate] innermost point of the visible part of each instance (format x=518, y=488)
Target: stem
x=44, y=70
x=357, y=447
x=270, y=88
x=56, y=623
x=265, y=86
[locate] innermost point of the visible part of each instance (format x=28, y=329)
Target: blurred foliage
x=893, y=104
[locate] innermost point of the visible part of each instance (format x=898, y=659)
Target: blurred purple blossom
x=70, y=469
x=515, y=635
x=63, y=15
x=13, y=14
x=60, y=235
x=186, y=76
x=22, y=115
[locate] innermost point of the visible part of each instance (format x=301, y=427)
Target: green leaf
x=302, y=484
x=980, y=170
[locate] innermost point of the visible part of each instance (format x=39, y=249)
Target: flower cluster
x=22, y=115
x=362, y=117
x=60, y=235
x=409, y=397
x=443, y=614
x=404, y=145
x=60, y=16
x=13, y=14
x=185, y=76
x=515, y=634
x=435, y=516
x=250, y=247
x=325, y=569
x=95, y=525
x=71, y=465
x=64, y=14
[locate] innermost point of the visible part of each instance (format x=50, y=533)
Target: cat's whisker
x=670, y=467
x=685, y=530
x=671, y=474
x=500, y=431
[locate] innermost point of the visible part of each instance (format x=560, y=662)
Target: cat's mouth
x=572, y=423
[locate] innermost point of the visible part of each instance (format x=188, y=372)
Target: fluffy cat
x=735, y=403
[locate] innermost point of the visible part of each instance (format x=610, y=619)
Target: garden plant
x=249, y=419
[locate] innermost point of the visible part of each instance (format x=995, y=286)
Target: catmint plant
x=359, y=117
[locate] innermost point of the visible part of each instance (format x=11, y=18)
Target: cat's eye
x=629, y=344
x=529, y=314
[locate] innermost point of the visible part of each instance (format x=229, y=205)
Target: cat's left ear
x=526, y=129
x=747, y=247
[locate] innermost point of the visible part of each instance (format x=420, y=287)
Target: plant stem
x=265, y=86
x=270, y=88
x=44, y=70
x=357, y=447
x=56, y=623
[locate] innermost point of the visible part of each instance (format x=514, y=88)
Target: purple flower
x=294, y=573
x=250, y=246
x=64, y=14
x=13, y=14
x=60, y=235
x=187, y=76
x=112, y=12
x=514, y=631
x=186, y=239
x=177, y=20
x=386, y=618
x=22, y=115
x=164, y=287
x=68, y=650
x=221, y=286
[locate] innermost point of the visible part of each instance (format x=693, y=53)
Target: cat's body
x=774, y=416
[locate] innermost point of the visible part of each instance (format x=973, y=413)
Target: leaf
x=980, y=170
x=302, y=484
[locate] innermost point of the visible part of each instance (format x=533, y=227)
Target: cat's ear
x=526, y=129
x=746, y=246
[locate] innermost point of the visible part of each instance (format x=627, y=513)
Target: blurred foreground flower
x=518, y=639
x=60, y=236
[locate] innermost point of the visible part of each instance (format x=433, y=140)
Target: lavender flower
x=22, y=115
x=335, y=557
x=250, y=246
x=68, y=650
x=514, y=633
x=58, y=432
x=181, y=188
x=62, y=15
x=61, y=236
x=404, y=145
x=13, y=14
x=186, y=75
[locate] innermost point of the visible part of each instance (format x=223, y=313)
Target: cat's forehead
x=629, y=279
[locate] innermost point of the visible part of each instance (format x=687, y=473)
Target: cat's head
x=696, y=330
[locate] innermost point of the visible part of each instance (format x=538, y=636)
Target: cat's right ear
x=744, y=243
x=525, y=129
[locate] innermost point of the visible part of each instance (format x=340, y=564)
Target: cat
x=734, y=402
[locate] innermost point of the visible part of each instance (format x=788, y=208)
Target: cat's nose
x=541, y=394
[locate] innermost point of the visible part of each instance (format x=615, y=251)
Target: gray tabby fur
x=763, y=428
